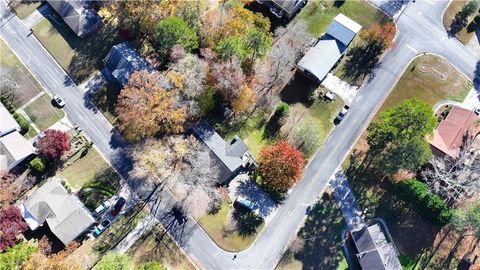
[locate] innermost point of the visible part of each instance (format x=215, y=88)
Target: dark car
x=118, y=207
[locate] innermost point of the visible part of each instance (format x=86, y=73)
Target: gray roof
x=122, y=60
x=14, y=148
x=321, y=58
x=374, y=251
x=65, y=215
x=288, y=5
x=229, y=153
x=8, y=123
x=77, y=15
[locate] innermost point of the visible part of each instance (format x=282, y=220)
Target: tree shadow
x=361, y=61
x=299, y=90
x=247, y=221
x=392, y=7
x=458, y=23
x=338, y=3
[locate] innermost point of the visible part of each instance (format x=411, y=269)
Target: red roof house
x=452, y=132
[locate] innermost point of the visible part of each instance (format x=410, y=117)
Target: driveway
x=341, y=88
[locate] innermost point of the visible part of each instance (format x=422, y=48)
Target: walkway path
x=135, y=234
x=348, y=205
x=36, y=16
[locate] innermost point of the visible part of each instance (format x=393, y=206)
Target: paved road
x=420, y=30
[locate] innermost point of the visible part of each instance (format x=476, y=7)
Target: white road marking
x=430, y=2
x=411, y=48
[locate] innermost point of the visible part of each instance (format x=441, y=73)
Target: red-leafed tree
x=280, y=165
x=53, y=144
x=11, y=224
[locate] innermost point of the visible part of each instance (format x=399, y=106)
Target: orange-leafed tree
x=380, y=35
x=244, y=100
x=280, y=165
x=145, y=108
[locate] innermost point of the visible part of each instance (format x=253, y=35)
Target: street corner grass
x=228, y=237
x=318, y=244
x=43, y=113
x=80, y=58
x=426, y=87
x=84, y=169
x=156, y=245
x=466, y=34
x=26, y=8
x=13, y=68
x=319, y=14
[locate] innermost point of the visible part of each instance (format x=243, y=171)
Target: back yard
x=81, y=58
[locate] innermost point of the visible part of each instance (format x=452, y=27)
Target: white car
x=102, y=208
x=60, y=102
x=342, y=113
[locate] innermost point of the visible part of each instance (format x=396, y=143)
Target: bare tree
x=456, y=180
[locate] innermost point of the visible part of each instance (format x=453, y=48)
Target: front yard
x=232, y=229
x=466, y=33
x=25, y=8
x=81, y=58
x=43, y=113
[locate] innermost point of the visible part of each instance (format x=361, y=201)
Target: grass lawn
x=318, y=244
x=427, y=87
x=81, y=58
x=467, y=33
x=42, y=112
x=105, y=100
x=319, y=14
x=84, y=169
x=25, y=8
x=11, y=67
x=231, y=239
x=156, y=245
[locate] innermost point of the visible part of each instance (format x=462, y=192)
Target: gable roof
x=450, y=133
x=374, y=251
x=343, y=29
x=65, y=215
x=13, y=149
x=81, y=19
x=230, y=154
x=123, y=60
x=7, y=123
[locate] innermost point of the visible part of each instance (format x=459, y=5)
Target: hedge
x=426, y=203
x=24, y=125
x=37, y=164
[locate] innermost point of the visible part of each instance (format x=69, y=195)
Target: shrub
x=151, y=266
x=427, y=204
x=277, y=120
x=24, y=125
x=37, y=164
x=7, y=103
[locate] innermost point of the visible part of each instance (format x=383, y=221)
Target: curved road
x=420, y=30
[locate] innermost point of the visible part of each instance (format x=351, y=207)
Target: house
x=14, y=148
x=451, y=135
x=329, y=48
x=122, y=60
x=63, y=213
x=230, y=156
x=77, y=15
x=373, y=249
x=283, y=8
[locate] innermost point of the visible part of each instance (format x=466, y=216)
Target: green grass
x=84, y=169
x=407, y=263
x=24, y=9
x=216, y=224
x=426, y=87
x=30, y=134
x=13, y=68
x=42, y=112
x=81, y=58
x=319, y=14
x=343, y=264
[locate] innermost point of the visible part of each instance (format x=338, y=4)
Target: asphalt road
x=419, y=30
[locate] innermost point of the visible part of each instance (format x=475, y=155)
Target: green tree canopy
x=257, y=42
x=231, y=46
x=467, y=218
x=13, y=257
x=151, y=266
x=114, y=261
x=174, y=30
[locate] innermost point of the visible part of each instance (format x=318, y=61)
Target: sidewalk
x=36, y=17
x=134, y=235
x=346, y=199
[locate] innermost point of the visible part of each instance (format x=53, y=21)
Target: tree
x=397, y=140
x=257, y=42
x=456, y=180
x=380, y=36
x=114, y=261
x=57, y=261
x=174, y=30
x=12, y=187
x=13, y=257
x=306, y=137
x=280, y=165
x=11, y=224
x=145, y=108
x=245, y=100
x=37, y=164
x=277, y=120
x=53, y=144
x=151, y=266
x=227, y=78
x=231, y=47
x=467, y=219
x=470, y=8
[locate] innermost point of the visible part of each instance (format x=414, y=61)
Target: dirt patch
x=432, y=70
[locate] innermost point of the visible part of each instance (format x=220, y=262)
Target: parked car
x=101, y=227
x=118, y=207
x=102, y=208
x=477, y=111
x=59, y=101
x=342, y=114
x=245, y=203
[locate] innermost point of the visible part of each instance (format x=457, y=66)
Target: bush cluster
x=24, y=125
x=427, y=204
x=37, y=164
x=277, y=120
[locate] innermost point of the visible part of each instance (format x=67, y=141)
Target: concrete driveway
x=340, y=88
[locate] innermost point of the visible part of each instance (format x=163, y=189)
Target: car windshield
x=105, y=223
